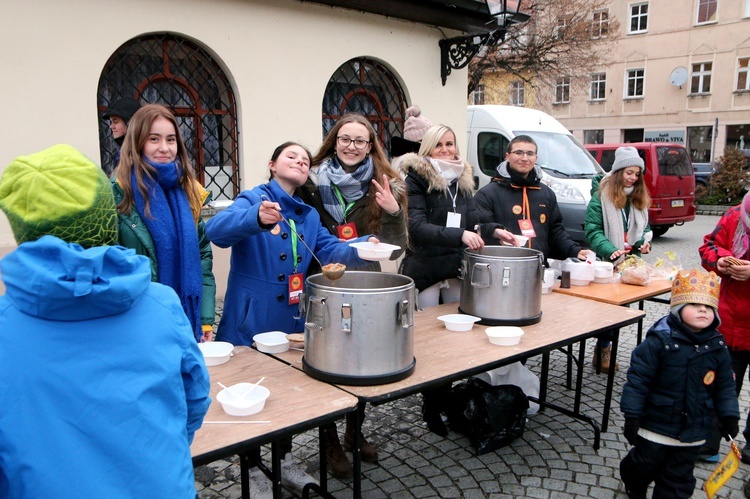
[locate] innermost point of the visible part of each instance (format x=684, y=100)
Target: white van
x=568, y=167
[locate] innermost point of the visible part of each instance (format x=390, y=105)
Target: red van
x=669, y=178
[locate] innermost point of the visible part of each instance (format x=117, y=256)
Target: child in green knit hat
x=59, y=192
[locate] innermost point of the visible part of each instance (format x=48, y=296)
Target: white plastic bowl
x=273, y=342
x=521, y=240
x=374, y=252
x=216, y=352
x=459, y=322
x=504, y=335
x=580, y=282
x=245, y=405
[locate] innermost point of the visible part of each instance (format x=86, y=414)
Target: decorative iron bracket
x=455, y=53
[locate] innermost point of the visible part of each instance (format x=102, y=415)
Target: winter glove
x=729, y=427
x=631, y=430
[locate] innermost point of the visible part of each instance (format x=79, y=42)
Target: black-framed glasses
x=358, y=143
x=531, y=154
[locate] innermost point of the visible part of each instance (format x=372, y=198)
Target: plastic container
x=273, y=342
x=459, y=322
x=504, y=335
x=216, y=352
x=374, y=252
x=248, y=402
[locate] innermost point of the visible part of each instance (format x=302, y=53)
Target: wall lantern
x=455, y=53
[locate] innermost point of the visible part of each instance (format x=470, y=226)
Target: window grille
x=517, y=91
x=743, y=74
x=366, y=87
x=639, y=18
x=635, y=79
x=598, y=86
x=600, y=24
x=170, y=70
x=477, y=96
x=701, y=80
x=562, y=90
x=707, y=11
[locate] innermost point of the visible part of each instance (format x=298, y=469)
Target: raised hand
x=384, y=196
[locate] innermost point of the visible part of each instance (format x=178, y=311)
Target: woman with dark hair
x=354, y=189
x=268, y=265
x=159, y=205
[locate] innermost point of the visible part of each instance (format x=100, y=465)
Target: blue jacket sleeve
x=235, y=223
x=644, y=365
x=195, y=380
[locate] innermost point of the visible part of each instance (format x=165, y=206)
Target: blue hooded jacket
x=101, y=376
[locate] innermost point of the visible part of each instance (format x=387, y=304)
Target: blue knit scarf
x=352, y=185
x=173, y=230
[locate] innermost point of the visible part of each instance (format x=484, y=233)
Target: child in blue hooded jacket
x=100, y=370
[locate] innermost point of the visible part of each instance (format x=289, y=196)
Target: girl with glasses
x=356, y=192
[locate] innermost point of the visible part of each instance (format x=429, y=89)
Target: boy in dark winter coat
x=678, y=377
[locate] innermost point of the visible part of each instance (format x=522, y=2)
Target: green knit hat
x=59, y=192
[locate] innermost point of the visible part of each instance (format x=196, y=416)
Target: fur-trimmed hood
x=422, y=167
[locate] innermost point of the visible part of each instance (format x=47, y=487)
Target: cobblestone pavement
x=554, y=458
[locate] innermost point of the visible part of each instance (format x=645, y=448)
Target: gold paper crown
x=695, y=286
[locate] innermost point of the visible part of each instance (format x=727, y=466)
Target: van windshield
x=562, y=155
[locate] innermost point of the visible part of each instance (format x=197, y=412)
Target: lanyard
x=294, y=242
x=626, y=217
x=526, y=211
x=347, y=206
x=453, y=196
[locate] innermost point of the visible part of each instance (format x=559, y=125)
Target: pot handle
x=346, y=317
x=300, y=307
x=317, y=314
x=481, y=270
x=541, y=267
x=403, y=314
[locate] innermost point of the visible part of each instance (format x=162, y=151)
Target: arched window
x=366, y=87
x=171, y=70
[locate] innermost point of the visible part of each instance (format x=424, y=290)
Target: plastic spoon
x=230, y=390
x=254, y=386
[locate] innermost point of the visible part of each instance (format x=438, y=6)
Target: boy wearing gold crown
x=678, y=377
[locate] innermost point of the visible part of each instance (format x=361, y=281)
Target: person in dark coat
x=679, y=377
x=441, y=216
x=119, y=114
x=516, y=202
x=441, y=222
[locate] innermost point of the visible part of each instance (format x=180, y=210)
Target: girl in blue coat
x=269, y=263
x=268, y=267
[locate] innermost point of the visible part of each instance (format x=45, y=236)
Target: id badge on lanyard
x=454, y=218
x=347, y=230
x=296, y=280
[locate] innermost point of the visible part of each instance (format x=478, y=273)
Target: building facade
x=680, y=73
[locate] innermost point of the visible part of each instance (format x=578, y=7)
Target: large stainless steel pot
x=359, y=330
x=503, y=285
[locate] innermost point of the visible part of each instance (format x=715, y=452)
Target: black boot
x=431, y=414
x=337, y=460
